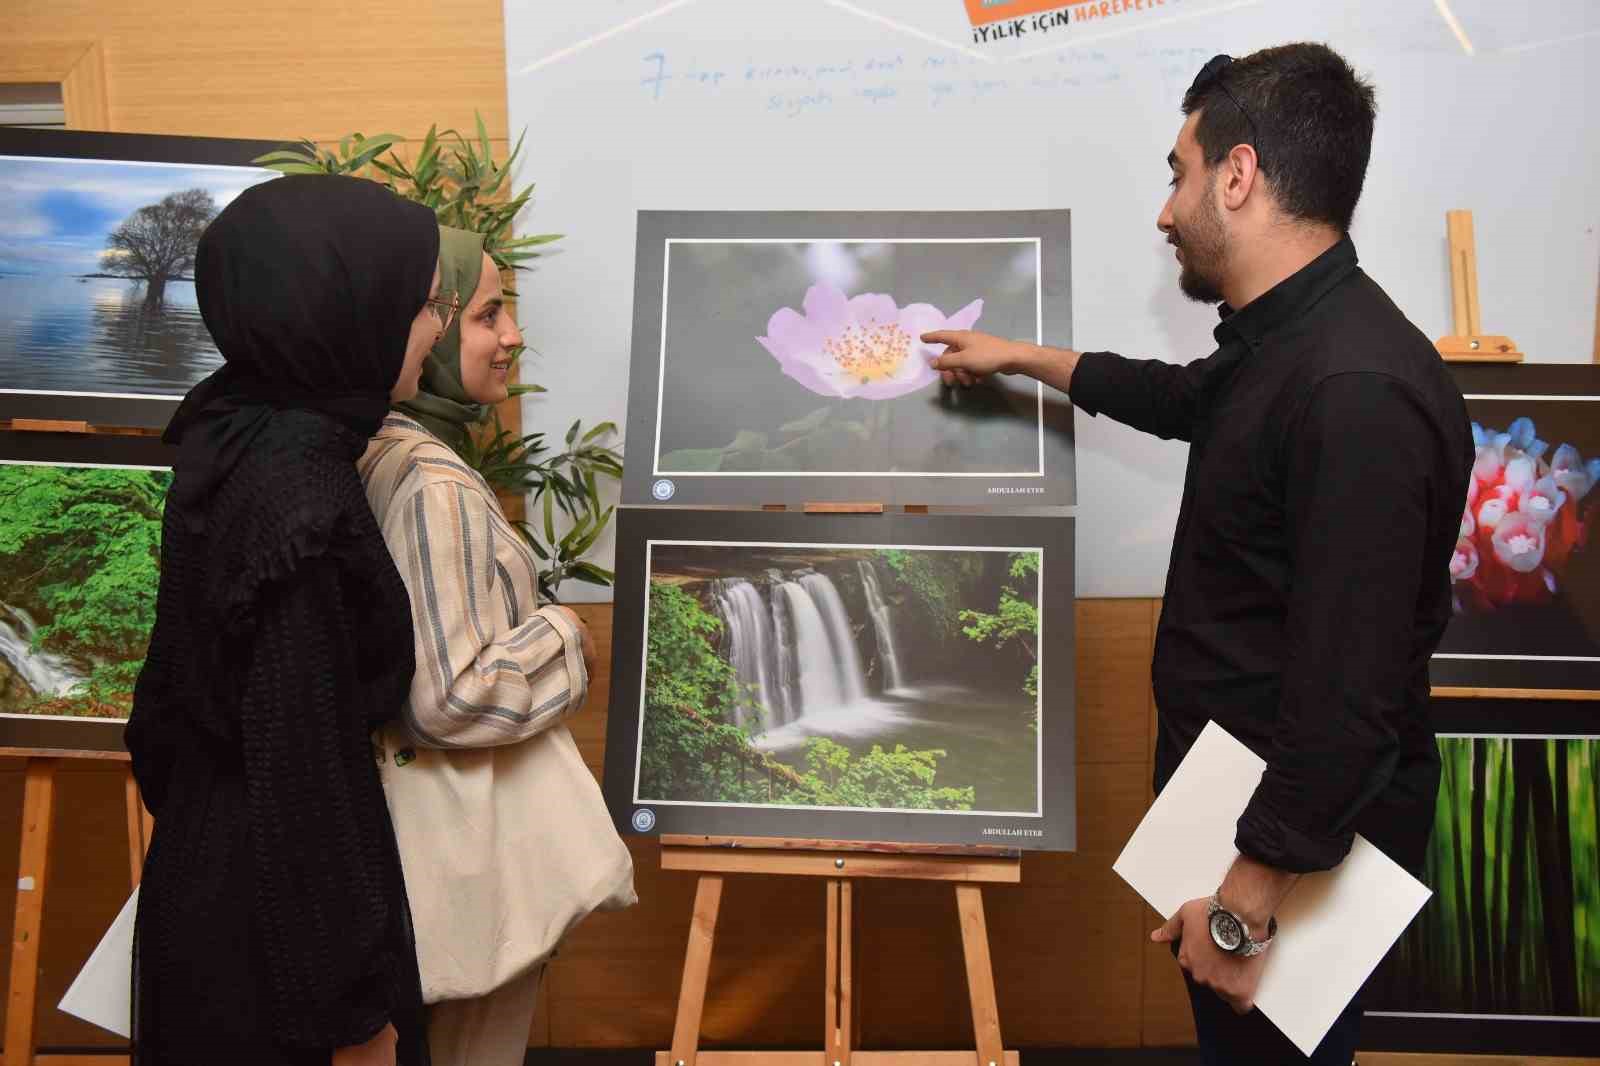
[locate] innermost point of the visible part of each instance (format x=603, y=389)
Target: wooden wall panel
x=288, y=69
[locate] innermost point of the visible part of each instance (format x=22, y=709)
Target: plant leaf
x=285, y=156
x=604, y=427
x=593, y=574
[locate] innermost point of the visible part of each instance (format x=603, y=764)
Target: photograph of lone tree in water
x=901, y=677
x=98, y=315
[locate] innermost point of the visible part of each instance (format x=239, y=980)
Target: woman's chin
x=495, y=393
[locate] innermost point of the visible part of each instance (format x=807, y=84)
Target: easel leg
x=980, y=975
x=696, y=969
x=38, y=805
x=138, y=839
x=838, y=1038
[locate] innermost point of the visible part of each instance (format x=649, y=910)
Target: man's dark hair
x=1305, y=112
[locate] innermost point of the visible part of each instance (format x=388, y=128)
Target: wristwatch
x=1230, y=933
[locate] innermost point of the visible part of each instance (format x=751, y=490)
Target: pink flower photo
x=807, y=357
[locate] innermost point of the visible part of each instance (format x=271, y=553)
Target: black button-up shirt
x=1329, y=452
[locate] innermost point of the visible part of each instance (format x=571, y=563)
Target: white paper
x=1334, y=927
x=102, y=992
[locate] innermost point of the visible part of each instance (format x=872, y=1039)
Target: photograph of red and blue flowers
x=1525, y=574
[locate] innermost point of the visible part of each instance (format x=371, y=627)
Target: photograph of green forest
x=815, y=676
x=79, y=565
x=1514, y=924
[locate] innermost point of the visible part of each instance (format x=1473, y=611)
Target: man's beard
x=1204, y=245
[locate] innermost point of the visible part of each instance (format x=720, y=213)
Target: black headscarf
x=309, y=285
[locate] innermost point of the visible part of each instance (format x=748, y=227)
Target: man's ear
x=1241, y=176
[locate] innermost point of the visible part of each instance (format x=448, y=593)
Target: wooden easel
x=837, y=862
x=1469, y=344
x=38, y=818
x=33, y=868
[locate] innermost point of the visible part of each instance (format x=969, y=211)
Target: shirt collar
x=1288, y=299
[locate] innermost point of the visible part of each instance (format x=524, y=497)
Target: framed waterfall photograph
x=900, y=678
x=778, y=358
x=1525, y=574
x=80, y=544
x=98, y=317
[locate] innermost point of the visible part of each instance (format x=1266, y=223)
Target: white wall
x=888, y=105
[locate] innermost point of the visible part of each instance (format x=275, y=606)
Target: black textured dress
x=273, y=926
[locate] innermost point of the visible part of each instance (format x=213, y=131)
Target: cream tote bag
x=505, y=850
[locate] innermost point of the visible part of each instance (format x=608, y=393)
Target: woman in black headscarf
x=273, y=927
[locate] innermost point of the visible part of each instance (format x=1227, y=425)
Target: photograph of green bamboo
x=1513, y=929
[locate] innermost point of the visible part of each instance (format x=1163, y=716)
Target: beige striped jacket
x=493, y=667
x=504, y=835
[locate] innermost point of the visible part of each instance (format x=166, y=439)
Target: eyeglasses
x=1211, y=74
x=445, y=307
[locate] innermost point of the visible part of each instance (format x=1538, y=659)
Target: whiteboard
x=893, y=105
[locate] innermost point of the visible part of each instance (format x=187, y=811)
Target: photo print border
x=1385, y=1028
x=133, y=410
x=63, y=733
x=1051, y=484
x=1457, y=674
x=1053, y=829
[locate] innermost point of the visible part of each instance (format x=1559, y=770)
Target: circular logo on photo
x=644, y=819
x=663, y=489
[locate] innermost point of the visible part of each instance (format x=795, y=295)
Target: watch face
x=1226, y=931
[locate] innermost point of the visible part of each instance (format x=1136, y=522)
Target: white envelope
x=1333, y=929
x=102, y=992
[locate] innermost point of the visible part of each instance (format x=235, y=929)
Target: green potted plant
x=460, y=180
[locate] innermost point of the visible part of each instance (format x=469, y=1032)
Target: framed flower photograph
x=1525, y=575
x=98, y=316
x=896, y=678
x=778, y=358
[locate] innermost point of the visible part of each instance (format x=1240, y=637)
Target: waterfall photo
x=778, y=354
x=98, y=314
x=79, y=568
x=891, y=678
x=1525, y=574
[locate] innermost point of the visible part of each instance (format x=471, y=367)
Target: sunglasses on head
x=1211, y=75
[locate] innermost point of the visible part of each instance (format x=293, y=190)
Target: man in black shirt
x=1328, y=464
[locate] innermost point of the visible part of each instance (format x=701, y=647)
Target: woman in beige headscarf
x=504, y=835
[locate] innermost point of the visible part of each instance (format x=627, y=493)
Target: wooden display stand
x=33, y=868
x=38, y=818
x=1469, y=344
x=836, y=863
